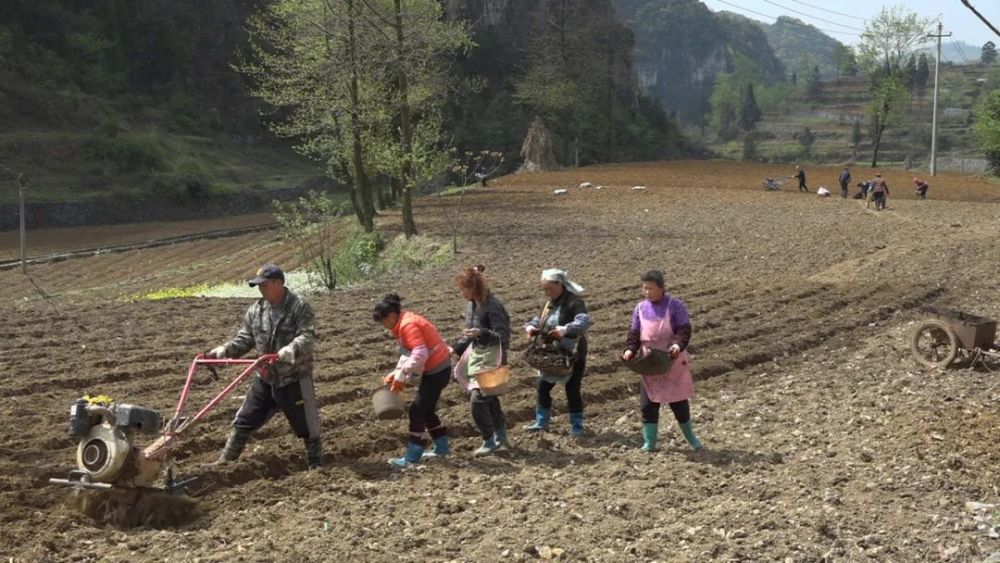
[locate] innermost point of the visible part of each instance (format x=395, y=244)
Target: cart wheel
x=934, y=344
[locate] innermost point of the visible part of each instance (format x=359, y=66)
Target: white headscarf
x=560, y=276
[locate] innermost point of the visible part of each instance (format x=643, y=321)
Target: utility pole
x=20, y=200
x=937, y=72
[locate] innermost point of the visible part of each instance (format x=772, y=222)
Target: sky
x=843, y=15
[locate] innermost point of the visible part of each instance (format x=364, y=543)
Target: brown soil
x=824, y=439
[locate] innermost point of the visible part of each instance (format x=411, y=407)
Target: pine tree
x=989, y=55
x=750, y=112
x=922, y=76
x=814, y=85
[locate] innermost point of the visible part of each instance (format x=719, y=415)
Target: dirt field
x=824, y=440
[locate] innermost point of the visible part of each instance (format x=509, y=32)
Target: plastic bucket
x=494, y=381
x=388, y=405
x=655, y=363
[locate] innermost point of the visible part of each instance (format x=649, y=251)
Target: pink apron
x=675, y=385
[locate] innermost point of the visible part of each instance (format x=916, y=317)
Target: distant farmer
x=879, y=191
x=800, y=175
x=845, y=180
x=921, y=187
x=279, y=323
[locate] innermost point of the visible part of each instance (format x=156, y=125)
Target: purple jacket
x=679, y=320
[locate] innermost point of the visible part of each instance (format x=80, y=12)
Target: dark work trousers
x=843, y=190
x=486, y=413
x=423, y=415
x=879, y=200
x=574, y=396
x=922, y=192
x=802, y=185
x=296, y=399
x=651, y=410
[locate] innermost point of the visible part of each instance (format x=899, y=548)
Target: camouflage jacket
x=294, y=326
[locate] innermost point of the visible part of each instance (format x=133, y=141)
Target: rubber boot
x=412, y=456
x=314, y=453
x=500, y=437
x=542, y=417
x=489, y=446
x=576, y=424
x=441, y=448
x=235, y=444
x=689, y=436
x=649, y=432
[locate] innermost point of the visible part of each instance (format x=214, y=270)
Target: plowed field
x=824, y=440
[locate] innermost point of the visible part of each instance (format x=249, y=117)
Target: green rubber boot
x=649, y=432
x=689, y=436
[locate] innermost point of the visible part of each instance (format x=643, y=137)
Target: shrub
x=130, y=153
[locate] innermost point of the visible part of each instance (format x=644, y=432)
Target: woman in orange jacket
x=425, y=356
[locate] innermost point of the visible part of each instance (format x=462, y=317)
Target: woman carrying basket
x=661, y=323
x=484, y=346
x=563, y=326
x=423, y=355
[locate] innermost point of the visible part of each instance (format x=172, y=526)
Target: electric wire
x=793, y=22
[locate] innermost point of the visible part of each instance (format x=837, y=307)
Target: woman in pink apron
x=661, y=322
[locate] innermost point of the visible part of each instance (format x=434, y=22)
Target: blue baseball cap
x=267, y=272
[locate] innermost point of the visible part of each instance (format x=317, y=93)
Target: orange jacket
x=421, y=347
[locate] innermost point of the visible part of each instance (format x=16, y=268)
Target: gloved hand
x=628, y=355
x=217, y=353
x=395, y=385
x=674, y=351
x=531, y=331
x=286, y=355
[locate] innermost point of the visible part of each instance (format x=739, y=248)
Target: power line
x=961, y=52
x=814, y=17
x=829, y=11
x=793, y=22
x=980, y=16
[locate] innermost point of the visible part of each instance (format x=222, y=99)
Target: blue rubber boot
x=649, y=432
x=441, y=448
x=689, y=436
x=542, y=417
x=576, y=424
x=411, y=457
x=489, y=446
x=500, y=437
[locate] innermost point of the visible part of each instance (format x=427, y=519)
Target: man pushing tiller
x=279, y=323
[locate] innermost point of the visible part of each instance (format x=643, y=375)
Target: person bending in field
x=424, y=356
x=921, y=187
x=279, y=322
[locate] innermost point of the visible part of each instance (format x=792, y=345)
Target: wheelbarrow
x=947, y=335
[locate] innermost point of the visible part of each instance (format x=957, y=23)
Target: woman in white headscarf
x=564, y=322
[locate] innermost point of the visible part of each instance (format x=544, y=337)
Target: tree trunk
x=361, y=185
x=406, y=135
x=879, y=129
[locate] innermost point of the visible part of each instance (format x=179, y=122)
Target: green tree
x=989, y=54
x=922, y=75
x=359, y=89
x=890, y=38
x=806, y=139
x=750, y=113
x=795, y=79
x=814, y=85
x=856, y=136
x=987, y=127
x=843, y=60
x=886, y=110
